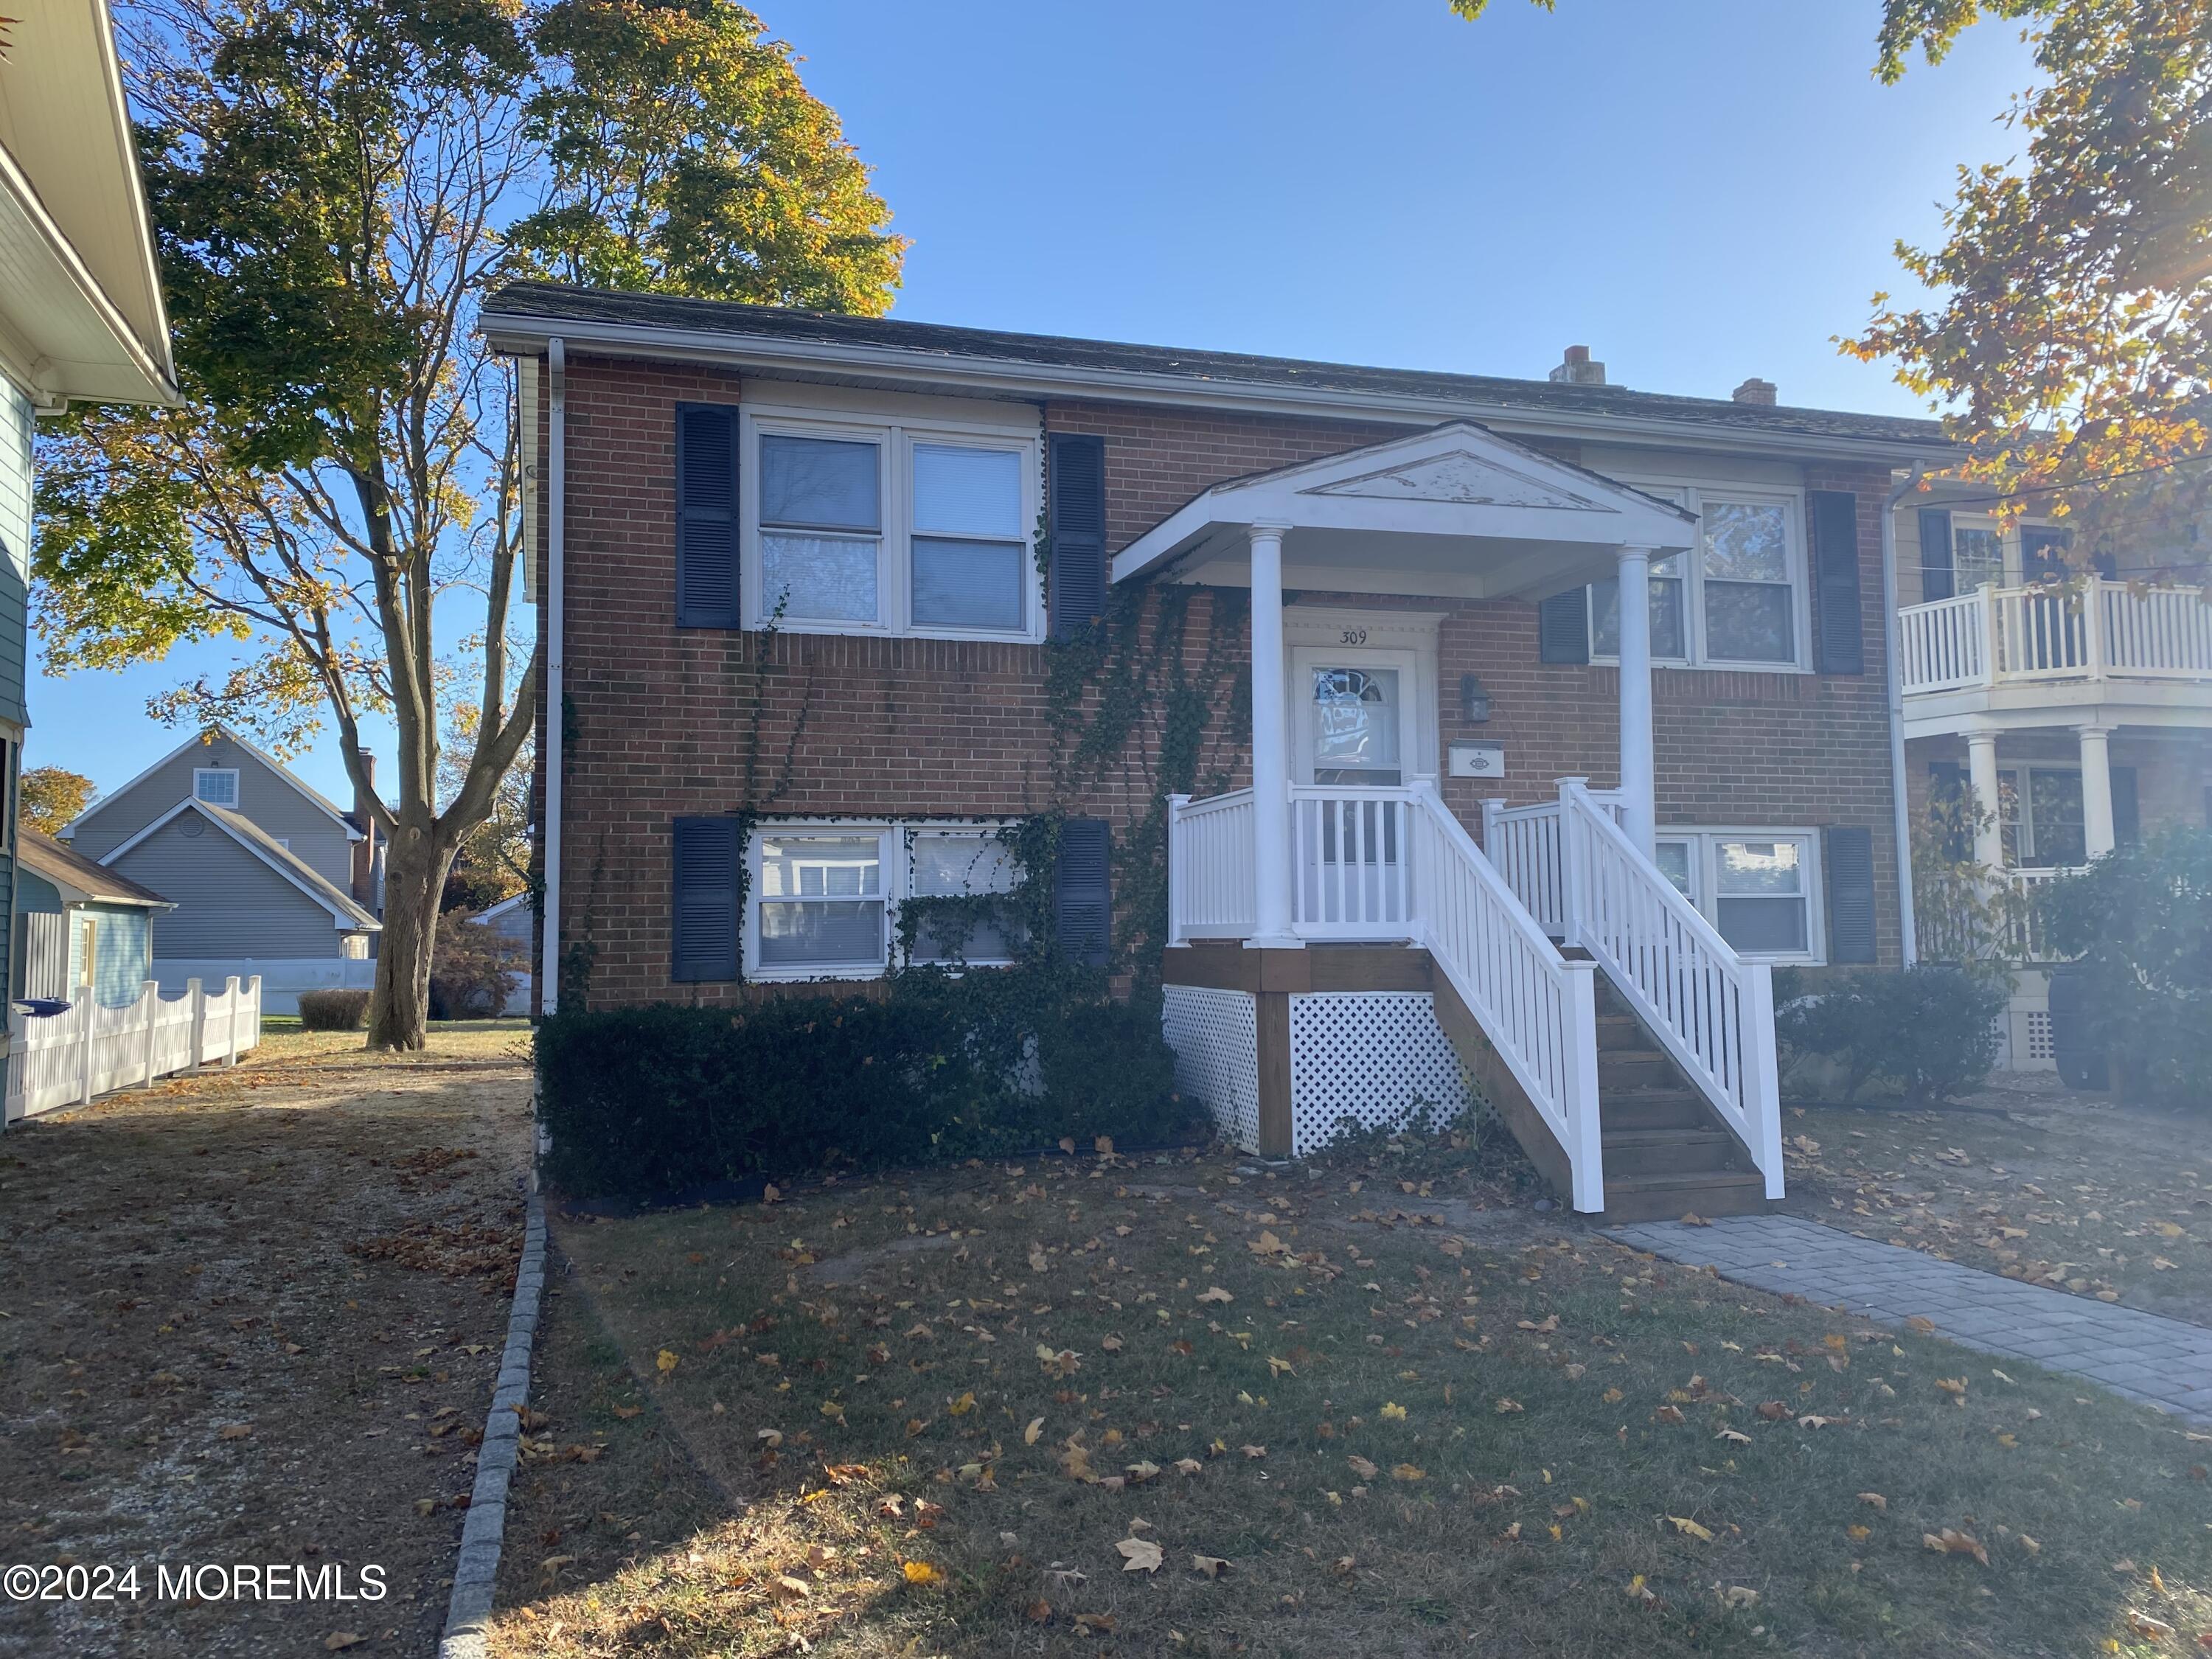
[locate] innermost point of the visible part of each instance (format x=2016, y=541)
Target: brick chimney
x=368, y=852
x=1578, y=369
x=1755, y=390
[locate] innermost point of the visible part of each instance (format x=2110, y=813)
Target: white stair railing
x=1349, y=871
x=1538, y=1009
x=1524, y=843
x=1211, y=892
x=1712, y=1011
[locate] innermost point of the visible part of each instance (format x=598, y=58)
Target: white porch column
x=1639, y=769
x=1982, y=776
x=2097, y=833
x=1271, y=745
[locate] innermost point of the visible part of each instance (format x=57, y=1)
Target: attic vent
x=1755, y=390
x=1578, y=369
x=191, y=827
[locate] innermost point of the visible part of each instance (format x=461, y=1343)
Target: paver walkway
x=2145, y=1357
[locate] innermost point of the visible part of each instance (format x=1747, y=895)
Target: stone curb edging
x=478, y=1566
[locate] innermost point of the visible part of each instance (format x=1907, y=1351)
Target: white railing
x=1713, y=1011
x=67, y=1058
x=1211, y=892
x=2023, y=915
x=1538, y=1009
x=1523, y=843
x=1349, y=875
x=2087, y=629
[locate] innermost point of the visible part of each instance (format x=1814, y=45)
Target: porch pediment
x=1456, y=510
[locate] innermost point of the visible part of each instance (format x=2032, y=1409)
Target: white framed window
x=215, y=785
x=1740, y=598
x=822, y=898
x=2040, y=816
x=892, y=527
x=1760, y=888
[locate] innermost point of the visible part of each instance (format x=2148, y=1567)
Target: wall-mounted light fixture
x=1473, y=701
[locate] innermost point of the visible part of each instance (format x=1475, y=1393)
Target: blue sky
x=1699, y=191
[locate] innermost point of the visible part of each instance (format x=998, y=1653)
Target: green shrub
x=941, y=1067
x=2139, y=924
x=475, y=969
x=1928, y=1032
x=333, y=1011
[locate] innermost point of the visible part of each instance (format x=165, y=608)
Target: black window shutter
x=705, y=913
x=2127, y=814
x=706, y=516
x=1850, y=894
x=1838, y=635
x=1563, y=627
x=1939, y=577
x=1083, y=895
x=1075, y=481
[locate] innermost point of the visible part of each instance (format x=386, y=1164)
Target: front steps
x=1667, y=1152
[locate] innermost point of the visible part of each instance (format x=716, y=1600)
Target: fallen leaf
x=239, y=1431
x=1139, y=1555
x=1215, y=1293
x=667, y=1360
x=1683, y=1524
x=1407, y=1472
x=2143, y=1623
x=1392, y=1412
x=1506, y=1406
x=1187, y=1465
x=1952, y=1541
x=921, y=1572
x=1875, y=1501
x=1212, y=1565
x=1254, y=1451
x=1361, y=1467
x=1737, y=1596
x=1029, y=1434
x=625, y=1413
x=1693, y=1219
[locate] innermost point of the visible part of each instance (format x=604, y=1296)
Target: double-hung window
x=823, y=899
x=1738, y=599
x=1760, y=888
x=2040, y=816
x=891, y=528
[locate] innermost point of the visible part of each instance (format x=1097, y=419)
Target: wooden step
x=1670, y=1197
x=1635, y=1068
x=1668, y=1151
x=1619, y=1031
x=1654, y=1109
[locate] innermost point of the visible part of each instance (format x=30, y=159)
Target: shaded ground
x=2036, y=1182
x=1185, y=1405
x=253, y=1318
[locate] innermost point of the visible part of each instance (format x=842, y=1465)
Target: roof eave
x=527, y=333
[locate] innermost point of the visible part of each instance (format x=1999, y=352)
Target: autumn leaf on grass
x=1140, y=1555
x=770, y=1438
x=1639, y=1592
x=1407, y=1472
x=1737, y=1596
x=1142, y=1472
x=667, y=1360
x=1037, y=1262
x=1215, y=1293
x=963, y=1406
x=1029, y=1434
x=1266, y=1244
x=1734, y=1436
x=1668, y=1414
x=237, y=1432
x=1212, y=1565
x=1504, y=1406
x=1057, y=1362
x=921, y=1572
x=1952, y=1541
x=1392, y=1412
x=625, y=1413
x=1110, y=1344
x=1361, y=1467
x=1279, y=1368
x=1921, y=1325
x=1255, y=1451
x=1953, y=1386
x=1875, y=1501
x=1188, y=1465
x=1684, y=1524
x=2154, y=1629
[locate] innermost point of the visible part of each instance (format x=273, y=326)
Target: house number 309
x=1354, y=636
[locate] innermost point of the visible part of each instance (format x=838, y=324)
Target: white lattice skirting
x=1372, y=1056
x=1215, y=1036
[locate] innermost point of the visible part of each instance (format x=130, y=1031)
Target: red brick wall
x=661, y=720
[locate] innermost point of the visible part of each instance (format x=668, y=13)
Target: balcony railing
x=2086, y=630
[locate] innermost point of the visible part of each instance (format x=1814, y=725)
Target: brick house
x=1434, y=805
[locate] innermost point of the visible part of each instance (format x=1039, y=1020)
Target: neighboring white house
x=268, y=877
x=512, y=918
x=78, y=923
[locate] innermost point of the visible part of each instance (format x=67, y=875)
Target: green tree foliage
x=330, y=181
x=2138, y=923
x=48, y=797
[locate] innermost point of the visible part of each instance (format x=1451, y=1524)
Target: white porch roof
x=1456, y=511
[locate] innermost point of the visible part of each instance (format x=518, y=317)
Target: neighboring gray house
x=513, y=918
x=80, y=923
x=267, y=876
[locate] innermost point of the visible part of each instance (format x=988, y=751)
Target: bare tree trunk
x=415, y=872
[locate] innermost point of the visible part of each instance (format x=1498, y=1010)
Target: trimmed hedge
x=1929, y=1031
x=657, y=1099
x=333, y=1011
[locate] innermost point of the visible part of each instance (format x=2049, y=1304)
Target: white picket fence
x=67, y=1058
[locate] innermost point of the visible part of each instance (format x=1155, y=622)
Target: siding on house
x=123, y=949
x=229, y=904
x=908, y=727
x=264, y=795
x=15, y=421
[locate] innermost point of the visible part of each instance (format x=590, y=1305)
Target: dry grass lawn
x=1184, y=1406
x=253, y=1317
x=2034, y=1180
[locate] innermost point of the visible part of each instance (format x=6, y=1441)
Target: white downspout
x=1893, y=673
x=550, y=740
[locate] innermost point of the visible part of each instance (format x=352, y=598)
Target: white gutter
x=550, y=740
x=1893, y=673
x=1012, y=378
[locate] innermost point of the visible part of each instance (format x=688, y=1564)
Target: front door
x=1352, y=732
